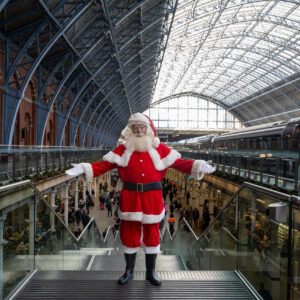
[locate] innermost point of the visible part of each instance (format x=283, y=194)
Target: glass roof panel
x=230, y=50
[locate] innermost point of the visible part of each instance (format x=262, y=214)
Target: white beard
x=139, y=143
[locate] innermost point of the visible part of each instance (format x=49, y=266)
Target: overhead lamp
x=262, y=155
x=269, y=155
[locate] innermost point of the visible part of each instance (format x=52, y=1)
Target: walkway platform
x=103, y=285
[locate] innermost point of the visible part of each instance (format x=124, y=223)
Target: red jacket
x=143, y=167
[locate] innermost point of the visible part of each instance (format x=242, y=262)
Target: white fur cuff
x=196, y=174
x=88, y=170
x=129, y=250
x=152, y=250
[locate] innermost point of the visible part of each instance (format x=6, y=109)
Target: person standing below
x=142, y=162
x=171, y=222
x=188, y=196
x=109, y=208
x=196, y=216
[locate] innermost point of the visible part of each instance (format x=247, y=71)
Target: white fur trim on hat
x=195, y=172
x=134, y=119
x=138, y=118
x=162, y=164
x=88, y=170
x=152, y=250
x=130, y=250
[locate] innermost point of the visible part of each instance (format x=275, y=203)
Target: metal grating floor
x=117, y=263
x=103, y=285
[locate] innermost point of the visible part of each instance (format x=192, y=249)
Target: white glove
x=206, y=168
x=77, y=170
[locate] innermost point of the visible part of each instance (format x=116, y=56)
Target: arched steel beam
x=192, y=94
x=139, y=33
x=109, y=115
x=95, y=110
x=94, y=97
x=270, y=38
x=107, y=124
x=273, y=116
x=100, y=116
x=82, y=88
x=110, y=105
x=78, y=95
x=237, y=59
x=140, y=65
x=122, y=119
x=10, y=127
x=141, y=51
x=173, y=9
x=3, y=4
x=62, y=60
x=266, y=93
x=139, y=83
x=144, y=92
x=104, y=136
x=132, y=10
x=257, y=18
x=139, y=75
x=114, y=121
x=113, y=39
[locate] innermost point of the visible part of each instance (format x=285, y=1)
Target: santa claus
x=142, y=162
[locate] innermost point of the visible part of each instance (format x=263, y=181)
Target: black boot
x=130, y=262
x=150, y=269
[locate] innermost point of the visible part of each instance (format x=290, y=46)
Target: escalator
x=221, y=264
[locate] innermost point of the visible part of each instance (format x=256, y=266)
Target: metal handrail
x=29, y=183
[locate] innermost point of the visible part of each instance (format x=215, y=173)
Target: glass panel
x=17, y=209
x=250, y=235
x=263, y=240
x=36, y=238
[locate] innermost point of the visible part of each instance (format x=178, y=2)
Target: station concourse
x=220, y=81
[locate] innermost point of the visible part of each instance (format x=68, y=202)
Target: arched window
x=191, y=112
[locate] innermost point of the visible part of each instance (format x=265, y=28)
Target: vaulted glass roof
x=232, y=51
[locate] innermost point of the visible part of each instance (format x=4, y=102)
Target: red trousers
x=130, y=234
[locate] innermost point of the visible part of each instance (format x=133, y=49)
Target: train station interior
x=214, y=83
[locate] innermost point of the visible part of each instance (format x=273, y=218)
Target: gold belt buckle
x=139, y=189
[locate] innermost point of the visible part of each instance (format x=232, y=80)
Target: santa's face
x=139, y=129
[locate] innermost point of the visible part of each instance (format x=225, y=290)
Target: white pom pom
x=156, y=142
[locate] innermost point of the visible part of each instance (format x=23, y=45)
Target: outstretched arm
x=196, y=168
x=90, y=170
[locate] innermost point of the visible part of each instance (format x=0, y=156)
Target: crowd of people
x=173, y=204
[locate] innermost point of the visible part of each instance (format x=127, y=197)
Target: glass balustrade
x=34, y=237
x=257, y=234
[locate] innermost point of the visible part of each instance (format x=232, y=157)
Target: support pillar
x=2, y=243
x=90, y=188
x=52, y=203
x=193, y=196
x=211, y=204
x=95, y=189
x=66, y=200
x=32, y=220
x=76, y=194
x=84, y=191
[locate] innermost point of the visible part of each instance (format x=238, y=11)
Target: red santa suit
x=139, y=206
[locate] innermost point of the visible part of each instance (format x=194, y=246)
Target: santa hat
x=139, y=118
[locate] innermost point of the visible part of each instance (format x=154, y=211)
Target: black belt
x=142, y=187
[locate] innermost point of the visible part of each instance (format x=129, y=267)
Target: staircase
x=105, y=266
